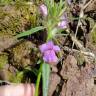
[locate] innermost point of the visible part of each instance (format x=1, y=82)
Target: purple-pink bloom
x=49, y=46
x=63, y=22
x=43, y=10
x=69, y=2
x=48, y=51
x=50, y=56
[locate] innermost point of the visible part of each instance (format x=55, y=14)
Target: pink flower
x=43, y=10
x=49, y=46
x=50, y=57
x=63, y=22
x=48, y=51
x=69, y=2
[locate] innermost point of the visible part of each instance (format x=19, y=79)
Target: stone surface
x=54, y=81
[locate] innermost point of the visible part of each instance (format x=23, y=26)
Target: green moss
x=13, y=20
x=21, y=54
x=5, y=1
x=3, y=60
x=17, y=78
x=80, y=58
x=10, y=1
x=16, y=18
x=93, y=35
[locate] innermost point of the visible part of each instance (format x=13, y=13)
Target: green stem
x=38, y=81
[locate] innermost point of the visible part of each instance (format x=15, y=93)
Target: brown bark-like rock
x=80, y=82
x=54, y=81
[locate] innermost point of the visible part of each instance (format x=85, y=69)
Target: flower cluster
x=63, y=19
x=49, y=51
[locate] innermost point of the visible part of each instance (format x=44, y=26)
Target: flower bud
x=63, y=22
x=69, y=2
x=43, y=10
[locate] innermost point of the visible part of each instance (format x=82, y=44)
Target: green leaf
x=29, y=32
x=52, y=34
x=45, y=77
x=38, y=81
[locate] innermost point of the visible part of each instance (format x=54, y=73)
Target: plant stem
x=38, y=81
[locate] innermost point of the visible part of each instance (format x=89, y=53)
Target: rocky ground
x=74, y=75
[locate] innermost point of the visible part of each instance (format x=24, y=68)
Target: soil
x=74, y=75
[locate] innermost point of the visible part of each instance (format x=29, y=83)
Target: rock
x=6, y=42
x=69, y=67
x=54, y=81
x=80, y=82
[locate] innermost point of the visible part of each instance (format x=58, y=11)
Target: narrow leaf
x=29, y=32
x=45, y=77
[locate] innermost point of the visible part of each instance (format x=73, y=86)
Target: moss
x=17, y=78
x=93, y=35
x=3, y=60
x=21, y=54
x=10, y=1
x=16, y=18
x=80, y=59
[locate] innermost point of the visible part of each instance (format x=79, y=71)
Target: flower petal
x=45, y=58
x=63, y=21
x=47, y=46
x=43, y=48
x=56, y=48
x=50, y=45
x=50, y=56
x=69, y=2
x=62, y=24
